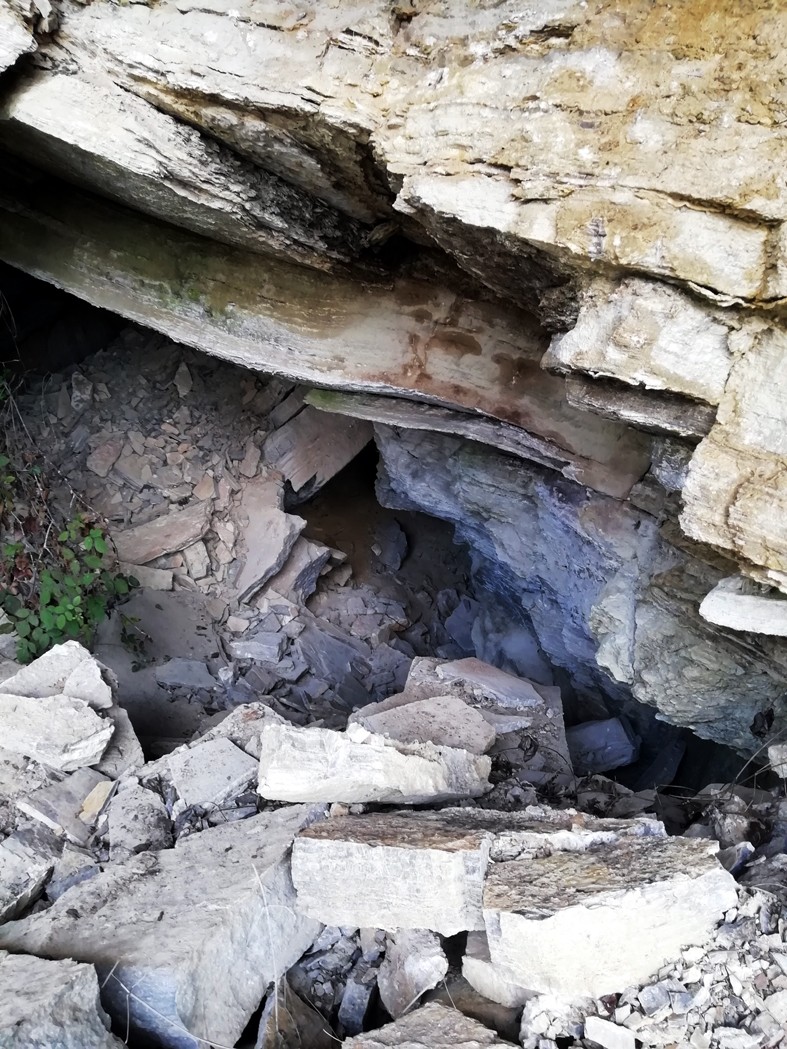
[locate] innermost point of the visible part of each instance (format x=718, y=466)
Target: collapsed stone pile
x=361, y=884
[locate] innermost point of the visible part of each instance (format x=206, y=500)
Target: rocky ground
x=285, y=803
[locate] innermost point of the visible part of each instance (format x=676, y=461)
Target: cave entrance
x=278, y=573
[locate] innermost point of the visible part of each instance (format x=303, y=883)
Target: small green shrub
x=56, y=581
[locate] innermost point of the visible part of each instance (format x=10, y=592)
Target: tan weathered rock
x=166, y=534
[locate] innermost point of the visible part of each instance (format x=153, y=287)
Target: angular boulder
x=58, y=731
x=54, y=1004
x=163, y=929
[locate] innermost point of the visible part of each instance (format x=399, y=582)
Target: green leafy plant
x=56, y=579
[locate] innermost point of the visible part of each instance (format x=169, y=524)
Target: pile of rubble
x=272, y=884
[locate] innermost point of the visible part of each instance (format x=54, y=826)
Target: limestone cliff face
x=559, y=227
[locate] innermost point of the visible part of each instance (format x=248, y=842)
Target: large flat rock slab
x=594, y=922
x=166, y=534
x=163, y=929
x=426, y=870
x=53, y=1004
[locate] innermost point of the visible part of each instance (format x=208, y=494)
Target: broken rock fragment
x=593, y=922
x=314, y=764
x=65, y=669
x=433, y=1025
x=484, y=976
x=138, y=822
x=210, y=773
x=414, y=963
x=58, y=805
x=163, y=535
x=268, y=534
x=164, y=929
x=54, y=1004
x=599, y=746
x=445, y=720
x=313, y=446
x=58, y=731
x=24, y=868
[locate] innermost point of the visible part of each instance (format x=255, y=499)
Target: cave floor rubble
x=283, y=802
x=187, y=900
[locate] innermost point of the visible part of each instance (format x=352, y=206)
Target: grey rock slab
x=24, y=869
x=65, y=669
x=74, y=864
x=265, y=647
x=243, y=726
x=313, y=446
x=103, y=458
x=433, y=1025
x=57, y=730
x=314, y=764
x=414, y=963
x=52, y=1004
x=600, y=746
x=185, y=940
x=298, y=578
x=58, y=805
x=426, y=870
x=185, y=673
x=267, y=534
x=444, y=720
x=138, y=822
x=166, y=534
x=598, y=921
x=210, y=773
x=124, y=751
x=147, y=577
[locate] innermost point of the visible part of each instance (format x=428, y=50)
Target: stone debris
x=414, y=963
x=739, y=603
x=313, y=764
x=484, y=976
x=185, y=673
x=269, y=534
x=444, y=720
x=434, y=864
x=287, y=1020
x=173, y=531
x=53, y=1004
x=167, y=960
x=432, y=1025
x=58, y=731
x=24, y=869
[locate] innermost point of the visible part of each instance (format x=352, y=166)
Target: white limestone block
x=484, y=976
x=314, y=764
x=741, y=604
x=595, y=922
x=54, y=1004
x=165, y=929
x=57, y=730
x=609, y=1035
